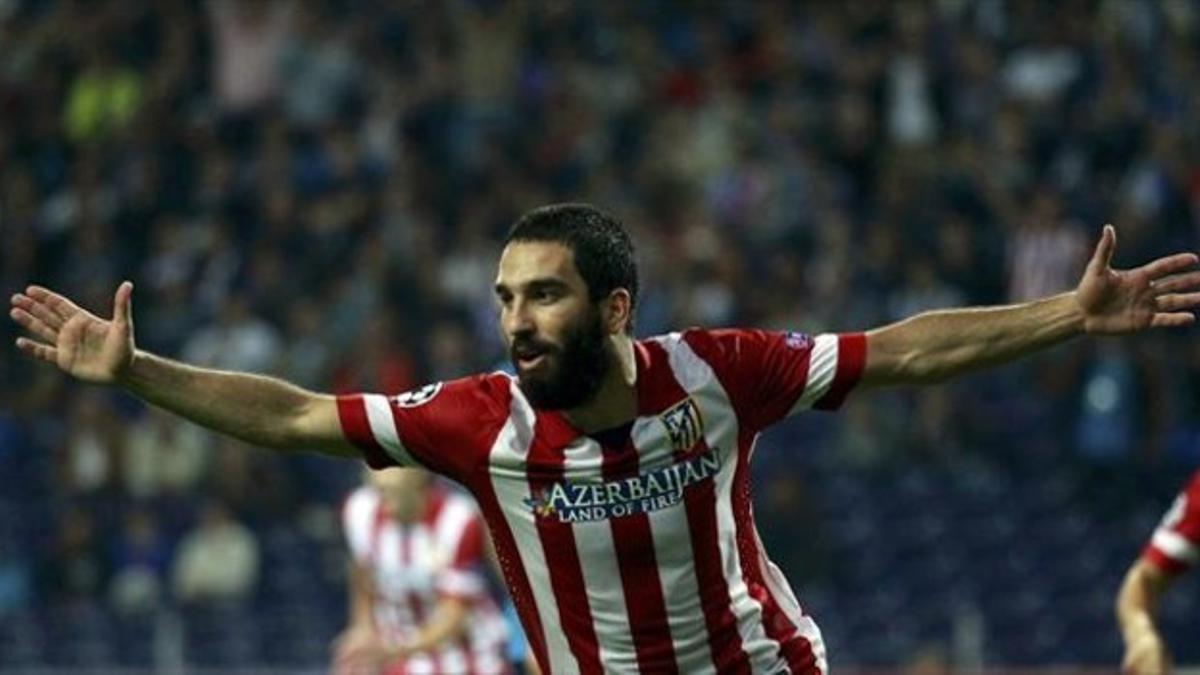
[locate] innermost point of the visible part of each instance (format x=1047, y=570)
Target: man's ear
x=617, y=311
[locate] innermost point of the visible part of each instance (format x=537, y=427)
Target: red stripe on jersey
x=509, y=557
x=796, y=649
x=634, y=544
x=852, y=356
x=1163, y=562
x=352, y=412
x=723, y=636
x=658, y=389
x=544, y=467
x=1182, y=520
x=515, y=578
x=469, y=549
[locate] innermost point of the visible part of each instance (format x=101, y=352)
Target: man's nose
x=519, y=323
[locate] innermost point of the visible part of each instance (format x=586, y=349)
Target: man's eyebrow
x=545, y=284
x=533, y=285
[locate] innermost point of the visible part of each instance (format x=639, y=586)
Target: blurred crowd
x=318, y=190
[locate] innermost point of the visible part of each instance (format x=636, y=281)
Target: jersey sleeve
x=770, y=375
x=463, y=575
x=1175, y=545
x=440, y=426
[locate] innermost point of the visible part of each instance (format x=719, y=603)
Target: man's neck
x=616, y=401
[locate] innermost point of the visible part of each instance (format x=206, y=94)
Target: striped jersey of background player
x=1173, y=549
x=419, y=596
x=612, y=472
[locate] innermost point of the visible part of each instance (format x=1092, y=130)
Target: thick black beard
x=578, y=375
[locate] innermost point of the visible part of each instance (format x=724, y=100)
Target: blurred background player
x=1174, y=548
x=419, y=598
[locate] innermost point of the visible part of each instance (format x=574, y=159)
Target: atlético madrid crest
x=421, y=396
x=683, y=423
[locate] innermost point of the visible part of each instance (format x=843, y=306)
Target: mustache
x=530, y=344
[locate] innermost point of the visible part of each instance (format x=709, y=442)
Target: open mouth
x=531, y=363
x=528, y=357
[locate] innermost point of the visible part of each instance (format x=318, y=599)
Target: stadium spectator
x=237, y=339
x=103, y=100
x=79, y=569
x=163, y=454
x=139, y=564
x=248, y=45
x=217, y=562
x=90, y=448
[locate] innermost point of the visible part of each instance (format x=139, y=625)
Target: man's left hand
x=1159, y=294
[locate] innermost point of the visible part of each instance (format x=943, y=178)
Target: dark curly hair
x=603, y=250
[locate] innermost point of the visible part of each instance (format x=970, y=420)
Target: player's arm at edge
x=261, y=410
x=1136, y=608
x=934, y=346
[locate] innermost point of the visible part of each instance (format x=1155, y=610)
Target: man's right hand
x=1146, y=655
x=77, y=341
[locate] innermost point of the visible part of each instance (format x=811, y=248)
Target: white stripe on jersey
x=822, y=367
x=419, y=664
x=782, y=592
x=450, y=525
x=459, y=583
x=599, y=566
x=676, y=566
x=507, y=459
x=383, y=427
x=357, y=522
x=698, y=379
x=1175, y=546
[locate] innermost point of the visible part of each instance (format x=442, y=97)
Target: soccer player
x=1174, y=548
x=419, y=601
x=613, y=472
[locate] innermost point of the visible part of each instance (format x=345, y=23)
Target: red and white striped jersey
x=1175, y=545
x=632, y=550
x=410, y=566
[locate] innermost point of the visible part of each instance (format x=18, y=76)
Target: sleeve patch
x=418, y=397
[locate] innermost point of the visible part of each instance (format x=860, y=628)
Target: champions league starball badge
x=416, y=397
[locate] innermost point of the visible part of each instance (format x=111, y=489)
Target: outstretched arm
x=1137, y=606
x=261, y=410
x=934, y=346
